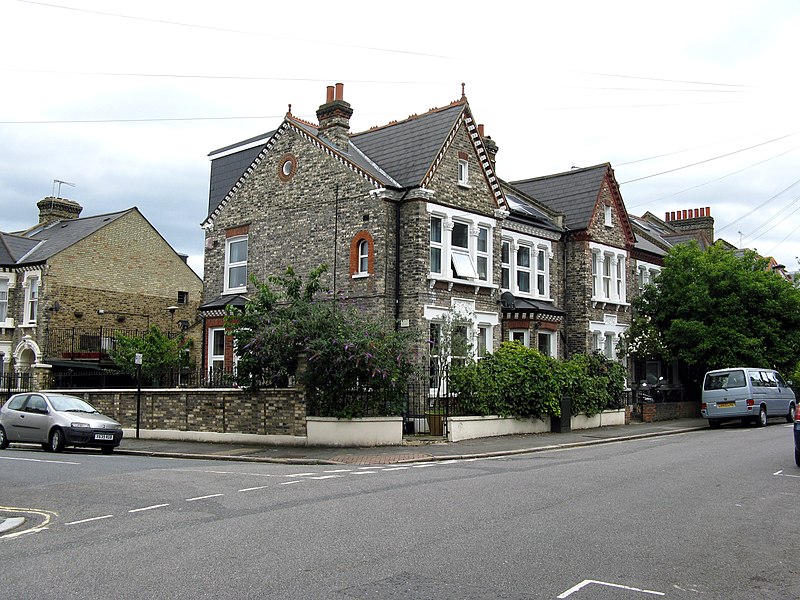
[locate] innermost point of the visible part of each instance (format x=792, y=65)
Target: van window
x=756, y=379
x=726, y=380
x=780, y=380
x=769, y=378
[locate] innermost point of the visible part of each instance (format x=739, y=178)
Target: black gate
x=427, y=410
x=13, y=383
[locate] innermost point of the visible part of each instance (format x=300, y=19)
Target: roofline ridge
x=413, y=117
x=563, y=173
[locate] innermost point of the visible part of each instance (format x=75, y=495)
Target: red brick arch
x=357, y=239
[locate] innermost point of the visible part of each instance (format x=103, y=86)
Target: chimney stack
x=693, y=219
x=334, y=117
x=56, y=209
x=490, y=145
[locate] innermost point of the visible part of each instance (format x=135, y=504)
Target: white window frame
x=32, y=283
x=646, y=274
x=363, y=258
x=229, y=264
x=540, y=253
x=458, y=263
x=551, y=341
x=505, y=265
x=212, y=357
x=463, y=173
x=609, y=274
x=515, y=334
x=437, y=245
x=608, y=217
x=9, y=280
x=606, y=335
x=483, y=252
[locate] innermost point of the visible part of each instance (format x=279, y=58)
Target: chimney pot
x=480, y=129
x=708, y=211
x=339, y=91
x=329, y=95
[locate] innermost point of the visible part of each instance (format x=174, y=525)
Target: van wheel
x=714, y=423
x=761, y=420
x=790, y=416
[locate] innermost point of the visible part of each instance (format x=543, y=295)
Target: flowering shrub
x=350, y=366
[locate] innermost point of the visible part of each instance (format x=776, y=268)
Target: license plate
x=726, y=404
x=104, y=437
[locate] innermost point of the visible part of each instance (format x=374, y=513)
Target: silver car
x=55, y=421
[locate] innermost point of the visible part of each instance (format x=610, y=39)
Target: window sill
x=228, y=292
x=433, y=278
x=604, y=303
x=466, y=186
x=359, y=275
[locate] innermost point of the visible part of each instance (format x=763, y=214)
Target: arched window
x=362, y=255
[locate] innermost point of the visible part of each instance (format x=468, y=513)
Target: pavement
x=414, y=448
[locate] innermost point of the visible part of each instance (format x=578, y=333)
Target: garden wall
x=275, y=412
x=666, y=411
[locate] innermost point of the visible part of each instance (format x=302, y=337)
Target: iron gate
x=427, y=410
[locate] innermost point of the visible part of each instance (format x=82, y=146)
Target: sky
x=694, y=104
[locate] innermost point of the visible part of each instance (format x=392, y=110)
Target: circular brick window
x=287, y=167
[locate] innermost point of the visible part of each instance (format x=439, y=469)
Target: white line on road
x=135, y=510
x=291, y=482
x=586, y=582
x=41, y=460
x=204, y=497
x=364, y=472
x=327, y=477
x=397, y=469
x=260, y=487
x=299, y=474
x=339, y=471
x=782, y=474
x=88, y=520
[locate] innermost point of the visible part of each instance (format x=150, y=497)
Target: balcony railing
x=86, y=343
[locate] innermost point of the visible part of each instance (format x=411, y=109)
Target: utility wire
x=236, y=31
x=709, y=159
x=748, y=213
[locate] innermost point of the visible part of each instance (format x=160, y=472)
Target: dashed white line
x=250, y=489
x=291, y=482
x=586, y=582
x=397, y=468
x=40, y=460
x=364, y=472
x=135, y=510
x=326, y=477
x=338, y=471
x=204, y=497
x=300, y=475
x=89, y=520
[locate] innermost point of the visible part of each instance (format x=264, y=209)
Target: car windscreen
x=724, y=380
x=70, y=403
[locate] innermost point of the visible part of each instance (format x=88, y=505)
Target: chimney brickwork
x=693, y=219
x=55, y=209
x=334, y=117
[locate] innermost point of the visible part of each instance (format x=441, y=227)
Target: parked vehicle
x=797, y=437
x=56, y=421
x=748, y=394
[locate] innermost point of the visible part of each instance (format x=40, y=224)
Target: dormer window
x=463, y=172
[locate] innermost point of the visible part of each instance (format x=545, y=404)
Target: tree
x=160, y=353
x=713, y=309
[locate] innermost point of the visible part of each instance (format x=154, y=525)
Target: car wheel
x=106, y=449
x=790, y=416
x=46, y=447
x=3, y=439
x=714, y=423
x=797, y=457
x=761, y=420
x=56, y=440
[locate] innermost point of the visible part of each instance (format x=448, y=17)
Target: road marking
x=782, y=474
x=135, y=510
x=299, y=474
x=40, y=460
x=260, y=487
x=364, y=472
x=204, y=497
x=586, y=582
x=291, y=482
x=397, y=469
x=88, y=520
x=327, y=477
x=45, y=516
x=339, y=471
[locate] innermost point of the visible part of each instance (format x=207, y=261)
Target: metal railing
x=14, y=383
x=86, y=343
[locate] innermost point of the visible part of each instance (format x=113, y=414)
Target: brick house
x=69, y=283
x=599, y=280
x=410, y=218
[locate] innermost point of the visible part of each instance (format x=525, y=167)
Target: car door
x=14, y=417
x=35, y=419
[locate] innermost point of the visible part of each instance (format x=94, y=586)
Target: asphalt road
x=708, y=514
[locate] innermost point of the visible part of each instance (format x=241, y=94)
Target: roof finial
x=289, y=111
x=463, y=95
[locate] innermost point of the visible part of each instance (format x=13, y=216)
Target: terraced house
x=70, y=283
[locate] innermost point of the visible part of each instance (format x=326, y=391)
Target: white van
x=746, y=393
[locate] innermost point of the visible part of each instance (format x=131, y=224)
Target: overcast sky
x=694, y=104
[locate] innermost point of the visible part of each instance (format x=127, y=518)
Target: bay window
x=608, y=274
x=525, y=265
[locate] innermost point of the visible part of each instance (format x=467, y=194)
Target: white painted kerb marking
x=586, y=582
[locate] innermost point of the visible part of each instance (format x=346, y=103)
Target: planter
x=369, y=431
x=468, y=428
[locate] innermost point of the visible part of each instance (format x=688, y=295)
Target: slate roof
x=398, y=155
x=519, y=206
x=407, y=149
x=50, y=239
x=572, y=193
x=14, y=247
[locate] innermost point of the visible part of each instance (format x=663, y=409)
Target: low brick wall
x=264, y=412
x=666, y=411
